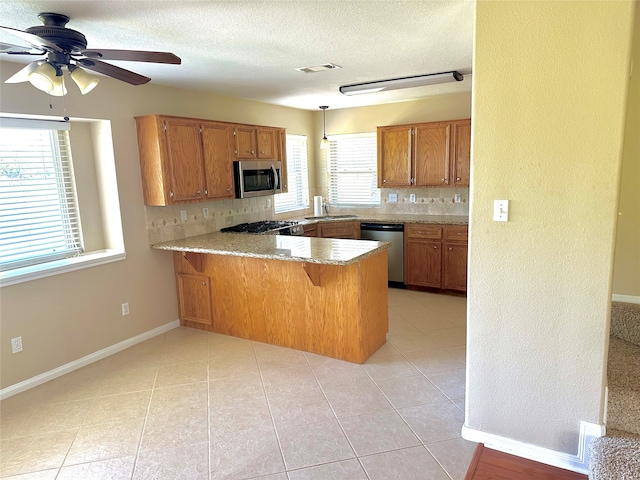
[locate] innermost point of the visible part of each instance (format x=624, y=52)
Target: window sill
x=34, y=272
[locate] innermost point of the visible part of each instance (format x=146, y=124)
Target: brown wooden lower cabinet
x=339, y=311
x=311, y=230
x=435, y=256
x=194, y=298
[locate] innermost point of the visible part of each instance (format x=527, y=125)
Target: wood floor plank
x=488, y=464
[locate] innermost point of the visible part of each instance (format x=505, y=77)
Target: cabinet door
x=282, y=157
x=267, y=143
x=455, y=266
x=431, y=159
x=217, y=143
x=461, y=154
x=394, y=156
x=184, y=151
x=422, y=263
x=194, y=298
x=245, y=142
x=311, y=230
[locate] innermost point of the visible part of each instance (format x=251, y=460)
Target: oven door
x=256, y=178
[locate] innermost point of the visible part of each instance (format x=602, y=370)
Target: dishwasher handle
x=383, y=227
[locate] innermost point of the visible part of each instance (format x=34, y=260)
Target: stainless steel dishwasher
x=394, y=234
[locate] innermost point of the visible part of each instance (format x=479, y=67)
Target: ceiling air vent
x=318, y=68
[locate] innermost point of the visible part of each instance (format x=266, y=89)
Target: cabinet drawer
x=456, y=233
x=339, y=230
x=417, y=230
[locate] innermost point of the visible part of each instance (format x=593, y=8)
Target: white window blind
x=39, y=220
x=297, y=178
x=352, y=170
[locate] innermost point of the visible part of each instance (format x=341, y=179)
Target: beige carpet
x=617, y=456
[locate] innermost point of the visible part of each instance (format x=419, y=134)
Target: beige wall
x=550, y=82
x=626, y=274
x=65, y=317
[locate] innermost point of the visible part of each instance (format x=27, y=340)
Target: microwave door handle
x=275, y=179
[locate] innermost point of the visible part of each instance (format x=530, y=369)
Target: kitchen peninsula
x=319, y=295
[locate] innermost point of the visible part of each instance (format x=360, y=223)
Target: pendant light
x=324, y=143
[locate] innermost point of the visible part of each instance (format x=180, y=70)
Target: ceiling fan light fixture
x=59, y=88
x=84, y=80
x=324, y=143
x=43, y=77
x=404, y=82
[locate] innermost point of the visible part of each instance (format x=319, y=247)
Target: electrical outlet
x=456, y=198
x=412, y=198
x=393, y=197
x=183, y=215
x=125, y=308
x=205, y=212
x=268, y=203
x=16, y=345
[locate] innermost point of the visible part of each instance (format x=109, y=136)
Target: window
x=298, y=195
x=43, y=196
x=39, y=219
x=352, y=170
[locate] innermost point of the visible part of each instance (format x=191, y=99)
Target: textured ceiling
x=250, y=49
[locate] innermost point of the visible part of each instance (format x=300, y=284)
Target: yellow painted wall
x=549, y=98
x=626, y=274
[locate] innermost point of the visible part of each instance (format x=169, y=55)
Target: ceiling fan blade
x=18, y=50
x=36, y=41
x=133, y=56
x=113, y=71
x=22, y=75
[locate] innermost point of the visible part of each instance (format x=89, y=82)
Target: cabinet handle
x=384, y=181
x=435, y=247
x=206, y=192
x=204, y=284
x=450, y=248
x=198, y=192
x=458, y=179
x=261, y=152
x=228, y=189
x=253, y=152
x=444, y=180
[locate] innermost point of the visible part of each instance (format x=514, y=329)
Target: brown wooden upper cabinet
x=256, y=143
x=424, y=154
x=186, y=159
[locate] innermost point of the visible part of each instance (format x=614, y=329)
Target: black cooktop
x=259, y=227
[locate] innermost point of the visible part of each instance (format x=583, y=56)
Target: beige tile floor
x=193, y=405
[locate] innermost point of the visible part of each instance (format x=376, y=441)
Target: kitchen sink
x=325, y=217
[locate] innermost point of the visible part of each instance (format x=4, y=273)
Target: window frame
x=367, y=167
x=297, y=177
x=102, y=181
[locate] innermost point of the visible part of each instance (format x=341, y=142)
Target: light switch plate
x=205, y=212
x=183, y=215
x=268, y=203
x=501, y=210
x=456, y=198
x=393, y=197
x=412, y=198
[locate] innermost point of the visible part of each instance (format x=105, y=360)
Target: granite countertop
x=328, y=251
x=391, y=218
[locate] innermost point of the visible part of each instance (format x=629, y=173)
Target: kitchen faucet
x=326, y=209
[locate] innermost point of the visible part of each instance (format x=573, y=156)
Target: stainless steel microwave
x=256, y=178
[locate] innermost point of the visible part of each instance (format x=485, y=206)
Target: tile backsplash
x=166, y=223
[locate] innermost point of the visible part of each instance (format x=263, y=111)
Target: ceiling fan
x=67, y=48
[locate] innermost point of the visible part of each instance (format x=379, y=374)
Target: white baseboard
x=576, y=463
x=625, y=298
x=84, y=361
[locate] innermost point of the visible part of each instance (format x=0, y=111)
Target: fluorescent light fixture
x=404, y=82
